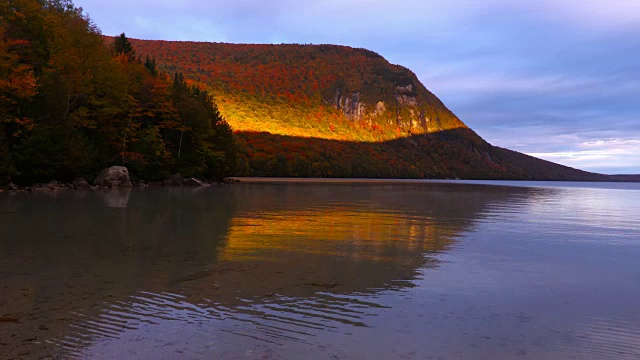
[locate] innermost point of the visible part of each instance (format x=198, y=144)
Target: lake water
x=413, y=270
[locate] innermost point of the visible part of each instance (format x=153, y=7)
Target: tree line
x=73, y=103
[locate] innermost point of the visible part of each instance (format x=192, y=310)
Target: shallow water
x=323, y=271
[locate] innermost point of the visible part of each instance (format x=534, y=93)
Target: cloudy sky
x=557, y=79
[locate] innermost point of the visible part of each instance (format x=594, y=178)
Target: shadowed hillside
x=447, y=154
x=626, y=178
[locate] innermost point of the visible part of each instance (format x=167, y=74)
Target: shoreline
x=293, y=180
x=620, y=185
x=54, y=186
x=58, y=186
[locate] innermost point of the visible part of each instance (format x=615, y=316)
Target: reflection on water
x=406, y=271
x=116, y=198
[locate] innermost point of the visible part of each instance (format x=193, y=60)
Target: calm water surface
x=323, y=271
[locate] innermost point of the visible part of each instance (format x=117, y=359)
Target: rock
x=350, y=104
x=230, y=181
x=195, y=182
x=176, y=179
x=115, y=176
x=55, y=185
x=81, y=183
x=8, y=318
x=40, y=187
x=380, y=109
x=12, y=187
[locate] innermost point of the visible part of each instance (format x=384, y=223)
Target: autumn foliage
x=280, y=100
x=70, y=104
x=292, y=89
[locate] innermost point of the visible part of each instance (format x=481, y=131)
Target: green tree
x=122, y=46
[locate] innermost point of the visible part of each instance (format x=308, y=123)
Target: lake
x=344, y=270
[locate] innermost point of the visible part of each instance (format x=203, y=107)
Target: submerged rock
x=115, y=176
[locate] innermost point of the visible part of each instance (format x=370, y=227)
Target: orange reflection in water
x=366, y=235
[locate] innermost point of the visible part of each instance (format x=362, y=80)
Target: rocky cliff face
x=350, y=104
x=410, y=107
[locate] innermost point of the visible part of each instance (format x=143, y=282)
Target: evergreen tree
x=150, y=65
x=122, y=46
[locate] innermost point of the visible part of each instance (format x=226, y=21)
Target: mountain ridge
x=300, y=110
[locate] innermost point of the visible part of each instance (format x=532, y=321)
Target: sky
x=556, y=79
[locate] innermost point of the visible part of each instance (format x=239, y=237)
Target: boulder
x=115, y=176
x=81, y=183
x=12, y=187
x=195, y=182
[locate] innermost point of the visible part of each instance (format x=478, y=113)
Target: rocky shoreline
x=110, y=178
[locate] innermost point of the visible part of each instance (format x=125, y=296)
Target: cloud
x=598, y=155
x=383, y=15
x=501, y=83
x=631, y=144
x=596, y=14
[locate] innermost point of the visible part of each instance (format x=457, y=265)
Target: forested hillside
x=71, y=105
x=336, y=111
x=324, y=91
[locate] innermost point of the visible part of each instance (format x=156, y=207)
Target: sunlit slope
x=323, y=91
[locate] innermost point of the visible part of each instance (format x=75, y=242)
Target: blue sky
x=557, y=79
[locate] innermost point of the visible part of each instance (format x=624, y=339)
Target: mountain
x=337, y=111
x=626, y=177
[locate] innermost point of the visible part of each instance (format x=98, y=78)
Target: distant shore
x=365, y=181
